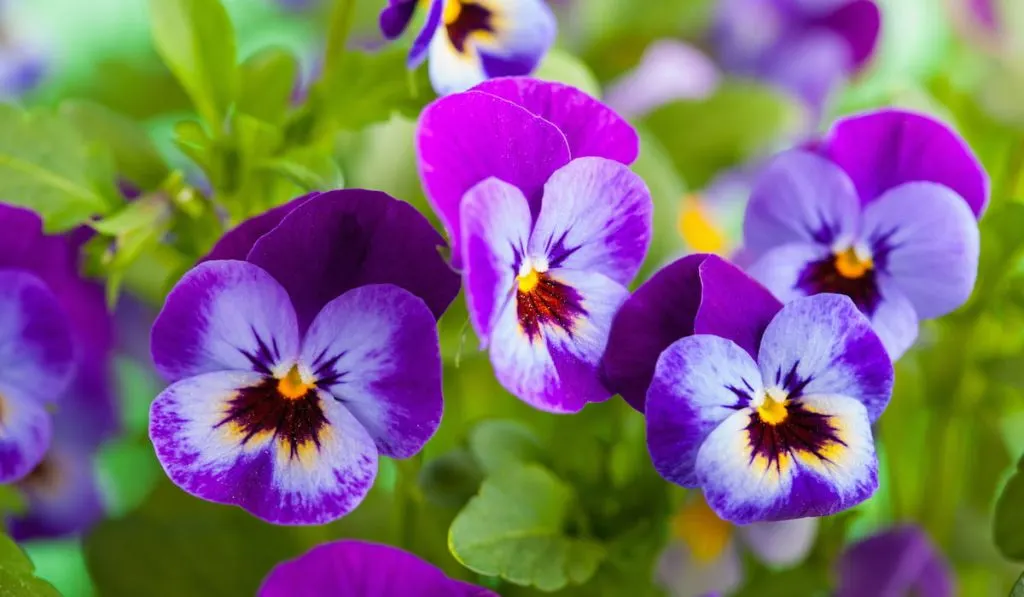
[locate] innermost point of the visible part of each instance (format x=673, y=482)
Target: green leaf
x=499, y=443
x=1018, y=587
x=562, y=67
x=46, y=166
x=268, y=79
x=135, y=156
x=196, y=40
x=1008, y=522
x=450, y=480
x=516, y=528
x=16, y=573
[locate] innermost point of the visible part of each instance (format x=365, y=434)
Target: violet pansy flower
x=360, y=569
x=294, y=368
x=517, y=129
x=470, y=41
x=896, y=563
x=883, y=212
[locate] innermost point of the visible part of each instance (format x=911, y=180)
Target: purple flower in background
x=542, y=289
x=883, y=212
x=470, y=41
x=896, y=563
x=807, y=47
x=359, y=569
x=22, y=65
x=293, y=369
x=669, y=70
x=518, y=130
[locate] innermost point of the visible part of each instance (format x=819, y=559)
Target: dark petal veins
x=803, y=432
x=822, y=276
x=471, y=18
x=549, y=302
x=262, y=409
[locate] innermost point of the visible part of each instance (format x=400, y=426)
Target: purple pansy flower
x=896, y=563
x=360, y=569
x=807, y=47
x=470, y=41
x=883, y=212
x=668, y=71
x=767, y=408
x=293, y=369
x=519, y=130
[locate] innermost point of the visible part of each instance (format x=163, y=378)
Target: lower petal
x=25, y=430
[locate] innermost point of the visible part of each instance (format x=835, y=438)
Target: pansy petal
x=466, y=138
x=452, y=70
x=782, y=543
x=375, y=349
x=590, y=127
x=746, y=480
x=894, y=319
x=823, y=345
x=237, y=242
x=893, y=563
x=339, y=240
x=596, y=215
x=522, y=32
x=224, y=315
x=733, y=305
x=858, y=22
x=548, y=354
x=782, y=269
x=799, y=197
x=248, y=461
x=699, y=382
x=495, y=231
x=420, y=45
x=669, y=70
x=395, y=17
x=884, y=149
x=24, y=434
x=926, y=239
x=682, y=575
x=62, y=494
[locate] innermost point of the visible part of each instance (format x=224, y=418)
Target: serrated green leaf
x=515, y=528
x=499, y=443
x=16, y=573
x=267, y=81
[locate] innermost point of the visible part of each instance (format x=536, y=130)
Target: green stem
x=338, y=32
x=407, y=500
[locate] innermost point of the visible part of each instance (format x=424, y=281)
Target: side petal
x=466, y=138
x=375, y=350
x=746, y=481
x=894, y=319
x=213, y=458
x=883, y=149
x=799, y=197
x=699, y=382
x=782, y=543
x=596, y=216
x=395, y=17
x=237, y=242
x=224, y=315
x=823, y=345
x=420, y=45
x=590, y=127
x=522, y=33
x=339, y=240
x=926, y=239
x=495, y=231
x=24, y=434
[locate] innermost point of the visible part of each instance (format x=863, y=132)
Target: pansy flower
x=767, y=408
x=895, y=563
x=470, y=41
x=22, y=65
x=883, y=211
x=704, y=555
x=517, y=129
x=360, y=569
x=303, y=347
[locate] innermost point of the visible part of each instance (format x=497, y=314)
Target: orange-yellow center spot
x=291, y=385
x=773, y=410
x=528, y=281
x=452, y=10
x=697, y=229
x=851, y=266
x=702, y=530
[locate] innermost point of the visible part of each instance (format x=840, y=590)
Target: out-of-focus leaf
x=517, y=528
x=450, y=480
x=497, y=444
x=16, y=573
x=1008, y=523
x=562, y=67
x=1018, y=587
x=267, y=81
x=629, y=567
x=667, y=189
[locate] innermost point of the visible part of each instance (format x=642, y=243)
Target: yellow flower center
x=773, y=410
x=852, y=265
x=697, y=229
x=705, y=534
x=291, y=385
x=452, y=9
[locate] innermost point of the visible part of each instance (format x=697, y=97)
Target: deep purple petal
x=421, y=44
x=339, y=240
x=698, y=383
x=590, y=127
x=238, y=241
x=222, y=316
x=886, y=148
x=858, y=22
x=893, y=563
x=733, y=305
x=596, y=216
x=375, y=349
x=62, y=495
x=395, y=17
x=358, y=569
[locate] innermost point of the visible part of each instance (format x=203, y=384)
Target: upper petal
x=595, y=216
x=469, y=137
x=886, y=148
x=799, y=197
x=698, y=383
x=237, y=242
x=522, y=32
x=822, y=344
x=858, y=22
x=224, y=315
x=375, y=349
x=395, y=17
x=733, y=305
x=590, y=127
x=339, y=240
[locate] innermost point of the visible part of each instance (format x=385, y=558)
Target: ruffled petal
x=822, y=345
x=782, y=543
x=222, y=437
x=375, y=349
x=596, y=216
x=237, y=242
x=340, y=240
x=800, y=197
x=225, y=315
x=522, y=32
x=699, y=382
x=886, y=148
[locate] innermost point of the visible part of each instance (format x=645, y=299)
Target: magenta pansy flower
x=883, y=211
x=303, y=347
x=895, y=563
x=470, y=41
x=360, y=569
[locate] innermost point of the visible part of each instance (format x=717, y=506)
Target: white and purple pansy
x=294, y=368
x=883, y=211
x=470, y=41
